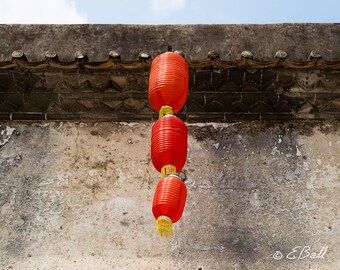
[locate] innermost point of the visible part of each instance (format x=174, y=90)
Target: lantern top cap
x=175, y=175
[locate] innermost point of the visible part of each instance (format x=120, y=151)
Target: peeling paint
x=5, y=134
x=298, y=152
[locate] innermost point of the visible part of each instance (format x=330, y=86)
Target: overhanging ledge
x=295, y=83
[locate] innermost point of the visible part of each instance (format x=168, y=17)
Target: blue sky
x=168, y=11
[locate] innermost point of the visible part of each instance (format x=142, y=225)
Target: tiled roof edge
x=296, y=42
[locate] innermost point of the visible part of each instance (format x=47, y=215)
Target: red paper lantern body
x=169, y=198
x=169, y=143
x=168, y=81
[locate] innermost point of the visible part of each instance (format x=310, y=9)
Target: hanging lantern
x=168, y=203
x=169, y=142
x=168, y=90
x=168, y=81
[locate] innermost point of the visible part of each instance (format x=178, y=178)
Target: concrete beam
x=196, y=41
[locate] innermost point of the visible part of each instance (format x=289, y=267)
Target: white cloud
x=40, y=11
x=163, y=7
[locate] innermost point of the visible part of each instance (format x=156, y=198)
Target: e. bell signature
x=300, y=253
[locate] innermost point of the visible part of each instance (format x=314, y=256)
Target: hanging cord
x=182, y=175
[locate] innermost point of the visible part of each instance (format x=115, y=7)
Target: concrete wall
x=298, y=40
x=78, y=196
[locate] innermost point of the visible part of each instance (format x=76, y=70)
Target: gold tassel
x=165, y=110
x=168, y=169
x=164, y=226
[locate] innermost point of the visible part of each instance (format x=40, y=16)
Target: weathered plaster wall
x=78, y=196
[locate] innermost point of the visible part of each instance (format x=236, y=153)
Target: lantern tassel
x=168, y=169
x=164, y=226
x=165, y=110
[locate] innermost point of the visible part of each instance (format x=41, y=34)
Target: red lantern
x=168, y=81
x=169, y=143
x=168, y=203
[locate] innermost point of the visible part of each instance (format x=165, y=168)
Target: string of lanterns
x=167, y=92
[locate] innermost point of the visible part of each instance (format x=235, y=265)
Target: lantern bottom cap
x=165, y=110
x=164, y=226
x=168, y=170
